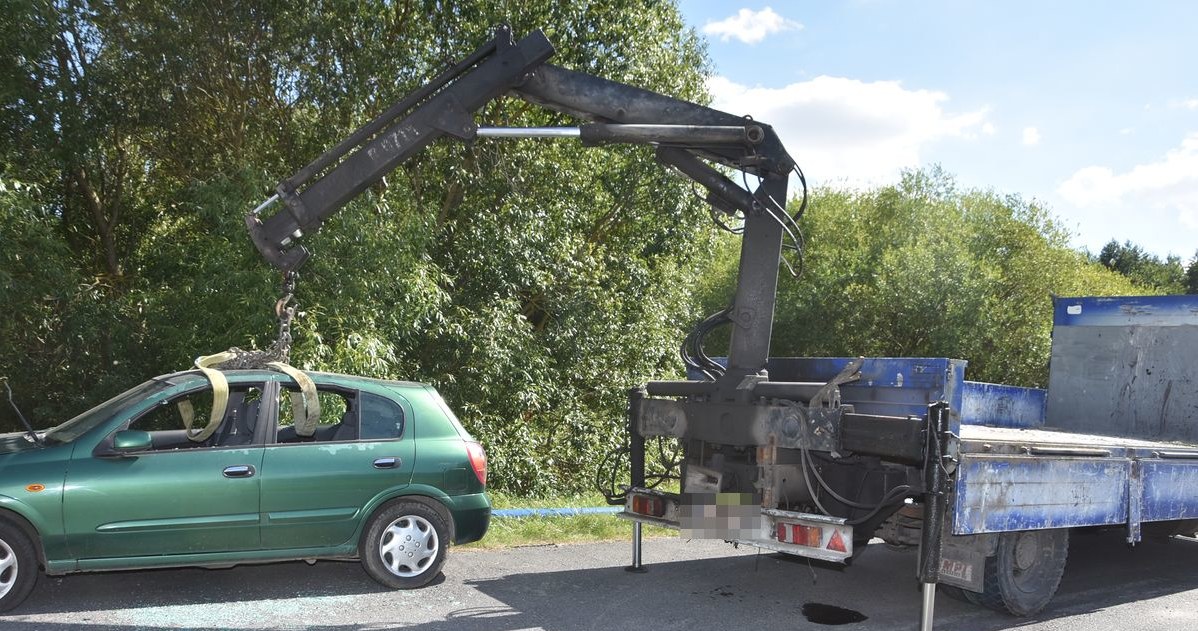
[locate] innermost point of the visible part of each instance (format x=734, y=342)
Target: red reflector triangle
x=837, y=543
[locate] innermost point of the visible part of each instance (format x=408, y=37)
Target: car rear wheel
x=404, y=545
x=18, y=566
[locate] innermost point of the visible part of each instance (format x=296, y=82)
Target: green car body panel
x=92, y=508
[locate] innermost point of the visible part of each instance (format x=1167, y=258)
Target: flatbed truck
x=1111, y=443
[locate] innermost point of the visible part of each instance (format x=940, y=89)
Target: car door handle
x=387, y=463
x=239, y=471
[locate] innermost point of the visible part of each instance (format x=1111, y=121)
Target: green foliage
x=531, y=282
x=1192, y=275
x=1144, y=269
x=925, y=269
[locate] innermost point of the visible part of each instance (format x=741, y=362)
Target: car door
x=178, y=497
x=314, y=491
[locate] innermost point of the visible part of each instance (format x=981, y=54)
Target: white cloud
x=1031, y=136
x=988, y=129
x=848, y=130
x=1169, y=184
x=1186, y=104
x=750, y=26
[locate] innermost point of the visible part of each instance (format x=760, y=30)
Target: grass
x=508, y=532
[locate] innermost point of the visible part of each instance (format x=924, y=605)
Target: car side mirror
x=128, y=441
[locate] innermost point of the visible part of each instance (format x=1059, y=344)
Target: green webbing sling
x=220, y=398
x=305, y=406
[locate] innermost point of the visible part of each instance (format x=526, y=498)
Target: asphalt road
x=688, y=586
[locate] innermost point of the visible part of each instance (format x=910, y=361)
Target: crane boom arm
x=687, y=135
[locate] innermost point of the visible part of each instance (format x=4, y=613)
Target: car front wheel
x=18, y=566
x=404, y=545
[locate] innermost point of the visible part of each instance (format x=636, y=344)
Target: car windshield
x=80, y=425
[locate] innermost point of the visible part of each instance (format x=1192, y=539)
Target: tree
x=1192, y=275
x=1143, y=268
x=532, y=283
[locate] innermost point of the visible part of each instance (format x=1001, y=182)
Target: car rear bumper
x=471, y=517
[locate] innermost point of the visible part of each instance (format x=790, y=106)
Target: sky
x=1089, y=108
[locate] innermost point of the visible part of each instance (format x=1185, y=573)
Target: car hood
x=16, y=441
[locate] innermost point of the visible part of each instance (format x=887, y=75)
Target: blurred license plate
x=725, y=516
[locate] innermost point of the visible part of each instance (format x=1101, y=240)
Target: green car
x=387, y=475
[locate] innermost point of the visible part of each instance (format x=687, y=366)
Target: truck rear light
x=478, y=461
x=646, y=505
x=814, y=535
x=836, y=542
x=800, y=535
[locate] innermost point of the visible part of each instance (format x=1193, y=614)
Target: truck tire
x=1025, y=572
x=954, y=592
x=18, y=566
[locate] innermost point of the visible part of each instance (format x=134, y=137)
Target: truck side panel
x=1006, y=493
x=998, y=405
x=1170, y=490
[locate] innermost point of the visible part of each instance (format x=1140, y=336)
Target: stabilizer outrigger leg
x=636, y=462
x=636, y=566
x=934, y=509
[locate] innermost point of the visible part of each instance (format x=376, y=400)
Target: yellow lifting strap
x=220, y=397
x=305, y=405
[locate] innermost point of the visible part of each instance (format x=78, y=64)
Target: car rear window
x=381, y=418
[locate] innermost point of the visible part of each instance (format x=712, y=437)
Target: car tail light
x=478, y=461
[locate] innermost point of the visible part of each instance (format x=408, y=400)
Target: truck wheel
x=961, y=594
x=1025, y=572
x=952, y=591
x=404, y=545
x=18, y=566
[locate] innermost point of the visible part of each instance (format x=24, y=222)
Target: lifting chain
x=285, y=312
x=280, y=351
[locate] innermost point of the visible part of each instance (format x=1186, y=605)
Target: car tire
x=404, y=544
x=18, y=566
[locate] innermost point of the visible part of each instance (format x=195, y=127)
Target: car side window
x=338, y=416
x=381, y=418
x=167, y=421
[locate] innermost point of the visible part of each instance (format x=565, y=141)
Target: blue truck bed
x=1113, y=440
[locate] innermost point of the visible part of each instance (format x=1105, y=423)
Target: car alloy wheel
x=404, y=544
x=18, y=566
x=9, y=568
x=408, y=546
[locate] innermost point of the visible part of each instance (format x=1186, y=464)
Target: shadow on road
x=192, y=586
x=755, y=591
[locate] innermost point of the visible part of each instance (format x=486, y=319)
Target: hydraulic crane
x=741, y=432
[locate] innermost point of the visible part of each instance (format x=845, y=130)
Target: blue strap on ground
x=555, y=512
